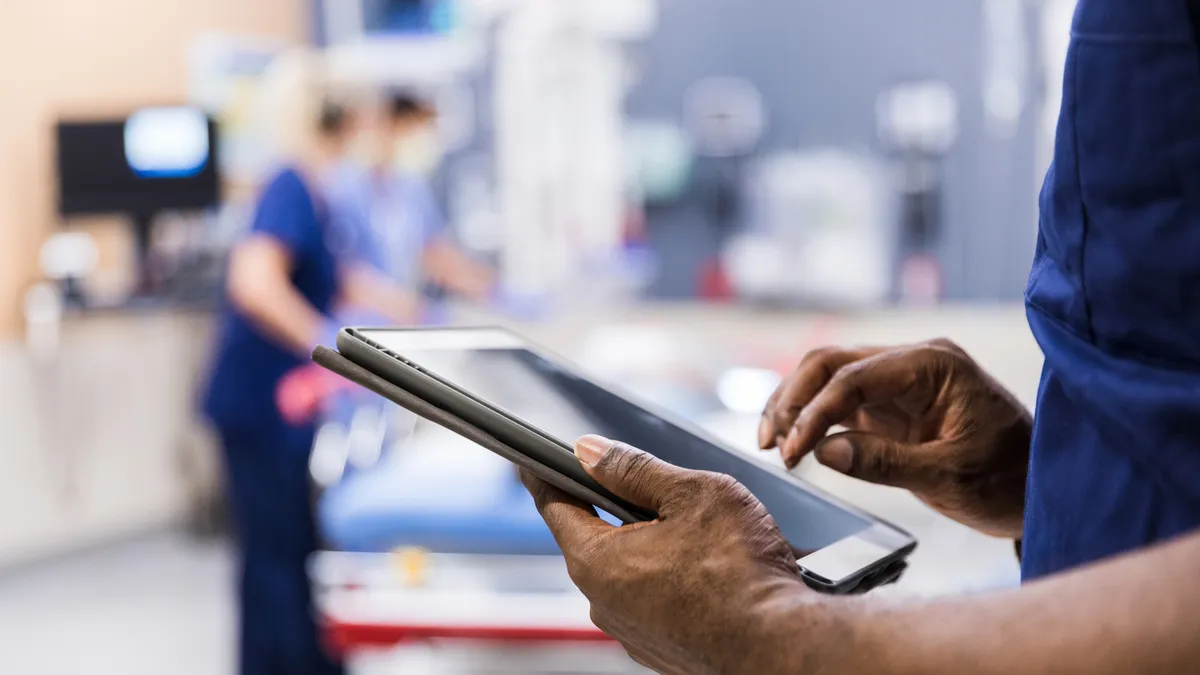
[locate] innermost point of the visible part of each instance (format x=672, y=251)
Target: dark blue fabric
x=268, y=488
x=266, y=460
x=249, y=364
x=1114, y=296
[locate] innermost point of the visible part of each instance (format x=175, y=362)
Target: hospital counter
x=97, y=436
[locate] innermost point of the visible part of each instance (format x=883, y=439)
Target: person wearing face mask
x=387, y=211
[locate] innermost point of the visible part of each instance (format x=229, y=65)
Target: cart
x=414, y=611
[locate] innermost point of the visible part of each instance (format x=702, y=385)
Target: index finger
x=884, y=377
x=797, y=390
x=573, y=523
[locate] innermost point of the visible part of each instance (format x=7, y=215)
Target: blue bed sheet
x=393, y=506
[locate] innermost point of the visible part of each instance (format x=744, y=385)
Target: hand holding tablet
x=493, y=387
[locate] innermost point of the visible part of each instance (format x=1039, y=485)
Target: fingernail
x=791, y=442
x=591, y=449
x=766, y=434
x=837, y=454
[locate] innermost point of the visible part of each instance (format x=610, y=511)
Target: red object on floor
x=345, y=638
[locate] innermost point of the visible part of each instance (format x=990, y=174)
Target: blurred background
x=683, y=196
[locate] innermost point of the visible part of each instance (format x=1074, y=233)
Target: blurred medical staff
x=387, y=211
x=283, y=283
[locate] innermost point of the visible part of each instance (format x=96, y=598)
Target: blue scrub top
x=1114, y=296
x=384, y=221
x=249, y=364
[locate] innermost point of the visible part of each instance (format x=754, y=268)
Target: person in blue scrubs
x=387, y=213
x=1101, y=489
x=284, y=283
x=282, y=267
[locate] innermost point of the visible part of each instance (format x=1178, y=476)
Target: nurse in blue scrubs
x=284, y=282
x=386, y=210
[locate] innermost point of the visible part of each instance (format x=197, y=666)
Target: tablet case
x=333, y=361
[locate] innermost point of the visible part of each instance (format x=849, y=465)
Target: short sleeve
x=285, y=212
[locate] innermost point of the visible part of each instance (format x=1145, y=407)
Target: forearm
x=364, y=288
x=1136, y=614
x=259, y=287
x=450, y=268
x=285, y=315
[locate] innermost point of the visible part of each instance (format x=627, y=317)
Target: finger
x=878, y=379
x=573, y=523
x=631, y=474
x=884, y=461
x=815, y=369
x=885, y=420
x=797, y=390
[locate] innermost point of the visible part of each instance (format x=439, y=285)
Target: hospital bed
x=439, y=552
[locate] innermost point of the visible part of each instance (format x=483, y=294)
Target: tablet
x=538, y=404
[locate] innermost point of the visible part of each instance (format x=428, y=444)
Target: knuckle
x=819, y=354
x=719, y=489
x=721, y=502
x=582, y=571
x=694, y=485
x=820, y=363
x=819, y=416
x=723, y=485
x=945, y=344
x=962, y=476
x=846, y=379
x=633, y=466
x=884, y=465
x=637, y=658
x=901, y=368
x=578, y=574
x=939, y=363
x=599, y=619
x=944, y=353
x=773, y=399
x=535, y=486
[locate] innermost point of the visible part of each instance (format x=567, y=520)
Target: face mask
x=418, y=153
x=360, y=149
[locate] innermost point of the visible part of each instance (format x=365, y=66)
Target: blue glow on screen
x=167, y=142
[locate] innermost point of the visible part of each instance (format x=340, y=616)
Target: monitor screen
x=154, y=160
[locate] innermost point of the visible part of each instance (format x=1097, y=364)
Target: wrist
x=795, y=630
x=1010, y=479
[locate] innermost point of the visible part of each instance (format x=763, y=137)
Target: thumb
x=633, y=475
x=881, y=460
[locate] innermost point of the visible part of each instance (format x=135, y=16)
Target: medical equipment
x=918, y=125
x=154, y=160
x=820, y=232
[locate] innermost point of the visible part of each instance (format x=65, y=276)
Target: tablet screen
x=566, y=406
